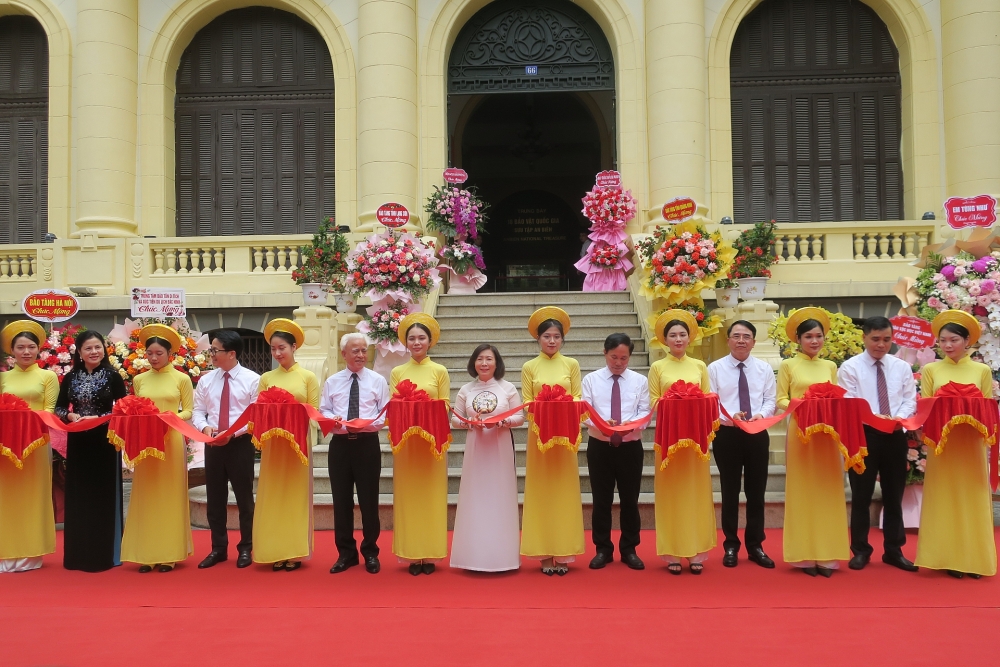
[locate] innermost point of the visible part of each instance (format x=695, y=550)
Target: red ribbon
x=553, y=393
x=276, y=395
x=406, y=390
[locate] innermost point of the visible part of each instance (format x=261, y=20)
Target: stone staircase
x=501, y=319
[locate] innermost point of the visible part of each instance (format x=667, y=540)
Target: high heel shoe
x=825, y=571
x=427, y=568
x=811, y=571
x=416, y=568
x=955, y=573
x=279, y=566
x=143, y=569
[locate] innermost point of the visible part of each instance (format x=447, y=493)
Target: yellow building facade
x=398, y=97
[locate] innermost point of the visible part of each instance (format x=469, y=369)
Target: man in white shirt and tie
x=886, y=382
x=355, y=455
x=747, y=390
x=619, y=395
x=221, y=396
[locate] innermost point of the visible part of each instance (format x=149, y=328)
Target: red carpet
x=742, y=616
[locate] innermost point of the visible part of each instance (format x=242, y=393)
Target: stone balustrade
x=18, y=263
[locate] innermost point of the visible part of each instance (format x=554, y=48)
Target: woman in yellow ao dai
x=27, y=524
x=158, y=524
x=283, y=515
x=419, y=475
x=685, y=509
x=956, y=515
x=552, y=521
x=815, y=533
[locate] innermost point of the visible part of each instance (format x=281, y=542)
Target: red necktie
x=224, y=404
x=616, y=409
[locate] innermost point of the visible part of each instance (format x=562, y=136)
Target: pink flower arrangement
x=604, y=206
x=463, y=256
x=455, y=212
x=682, y=259
x=391, y=265
x=605, y=256
x=381, y=323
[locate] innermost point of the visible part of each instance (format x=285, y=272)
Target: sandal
x=562, y=569
x=279, y=566
x=292, y=565
x=675, y=568
x=696, y=568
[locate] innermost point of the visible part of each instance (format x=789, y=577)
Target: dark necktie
x=616, y=408
x=744, y=392
x=883, y=390
x=354, y=403
x=224, y=404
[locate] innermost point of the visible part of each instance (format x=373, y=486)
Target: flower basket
x=682, y=260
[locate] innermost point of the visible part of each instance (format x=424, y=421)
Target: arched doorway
x=24, y=130
x=531, y=117
x=816, y=119
x=254, y=127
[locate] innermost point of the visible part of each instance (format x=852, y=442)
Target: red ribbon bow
x=408, y=391
x=824, y=390
x=682, y=389
x=276, y=395
x=956, y=390
x=12, y=402
x=135, y=406
x=551, y=393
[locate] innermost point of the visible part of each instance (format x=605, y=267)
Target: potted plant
x=727, y=292
x=324, y=264
x=754, y=257
x=466, y=262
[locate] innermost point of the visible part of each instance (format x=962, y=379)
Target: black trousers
x=609, y=466
x=231, y=463
x=741, y=455
x=886, y=460
x=355, y=461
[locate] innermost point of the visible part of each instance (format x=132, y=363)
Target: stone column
x=387, y=108
x=676, y=94
x=319, y=352
x=106, y=93
x=971, y=84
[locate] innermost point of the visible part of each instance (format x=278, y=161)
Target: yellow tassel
x=857, y=461
x=555, y=440
x=988, y=440
x=418, y=432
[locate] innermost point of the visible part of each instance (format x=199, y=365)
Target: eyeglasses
x=214, y=351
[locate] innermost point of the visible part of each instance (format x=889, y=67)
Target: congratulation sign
x=455, y=175
x=392, y=215
x=679, y=210
x=158, y=302
x=50, y=306
x=912, y=332
x=609, y=179
x=978, y=211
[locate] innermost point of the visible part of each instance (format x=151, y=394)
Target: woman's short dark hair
x=806, y=326
x=955, y=328
x=156, y=340
x=283, y=335
x=229, y=340
x=616, y=340
x=82, y=338
x=548, y=324
x=500, y=370
x=673, y=323
x=422, y=327
x=25, y=334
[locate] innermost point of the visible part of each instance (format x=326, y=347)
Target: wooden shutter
x=24, y=141
x=255, y=123
x=815, y=114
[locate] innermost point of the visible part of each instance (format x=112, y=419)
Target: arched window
x=254, y=127
x=24, y=130
x=815, y=95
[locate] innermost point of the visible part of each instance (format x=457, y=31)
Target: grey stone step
x=475, y=334
x=536, y=299
x=509, y=311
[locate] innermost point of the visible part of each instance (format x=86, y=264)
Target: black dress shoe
x=213, y=558
x=372, y=565
x=859, y=561
x=812, y=571
x=824, y=572
x=428, y=568
x=633, y=561
x=342, y=564
x=415, y=569
x=731, y=557
x=955, y=573
x=143, y=569
x=900, y=561
x=600, y=560
x=245, y=559
x=758, y=556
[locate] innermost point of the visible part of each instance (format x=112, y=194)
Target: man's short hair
x=877, y=323
x=229, y=340
x=742, y=323
x=617, y=340
x=354, y=336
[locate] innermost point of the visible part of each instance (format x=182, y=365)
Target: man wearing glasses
x=219, y=399
x=747, y=390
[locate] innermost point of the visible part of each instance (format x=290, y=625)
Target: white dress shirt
x=336, y=398
x=243, y=386
x=634, y=389
x=724, y=380
x=858, y=376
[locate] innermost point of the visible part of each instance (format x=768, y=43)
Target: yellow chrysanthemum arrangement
x=843, y=341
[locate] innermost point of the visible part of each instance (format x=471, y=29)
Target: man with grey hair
x=355, y=458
